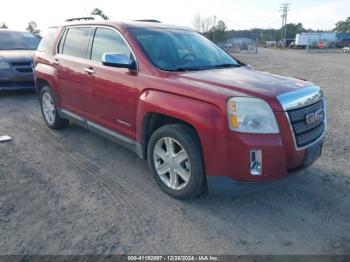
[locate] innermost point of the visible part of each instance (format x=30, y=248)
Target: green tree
x=219, y=31
x=99, y=12
x=343, y=26
x=216, y=33
x=3, y=26
x=33, y=28
x=293, y=29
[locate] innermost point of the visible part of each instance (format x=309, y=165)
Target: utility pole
x=281, y=37
x=214, y=29
x=284, y=9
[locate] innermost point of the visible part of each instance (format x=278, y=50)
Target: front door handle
x=89, y=70
x=56, y=62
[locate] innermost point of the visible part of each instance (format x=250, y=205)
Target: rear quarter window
x=47, y=40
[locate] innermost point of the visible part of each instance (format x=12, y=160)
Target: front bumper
x=12, y=80
x=281, y=155
x=275, y=169
x=225, y=186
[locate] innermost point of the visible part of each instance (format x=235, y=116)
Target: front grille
x=16, y=84
x=23, y=67
x=305, y=133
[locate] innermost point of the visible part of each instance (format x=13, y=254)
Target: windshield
x=17, y=41
x=181, y=50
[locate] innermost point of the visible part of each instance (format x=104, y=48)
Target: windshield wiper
x=226, y=65
x=184, y=69
x=21, y=48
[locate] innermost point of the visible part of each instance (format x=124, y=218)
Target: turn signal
x=234, y=121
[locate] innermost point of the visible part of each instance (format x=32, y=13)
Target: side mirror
x=118, y=60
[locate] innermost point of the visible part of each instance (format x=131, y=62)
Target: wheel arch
x=153, y=121
x=40, y=83
x=156, y=108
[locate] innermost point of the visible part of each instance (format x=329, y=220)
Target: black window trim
x=91, y=43
x=62, y=40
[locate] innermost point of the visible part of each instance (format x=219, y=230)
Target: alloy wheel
x=48, y=107
x=172, y=163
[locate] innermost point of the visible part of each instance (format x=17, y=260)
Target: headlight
x=251, y=115
x=4, y=65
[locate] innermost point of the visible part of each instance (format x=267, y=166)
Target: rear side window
x=108, y=41
x=76, y=42
x=48, y=39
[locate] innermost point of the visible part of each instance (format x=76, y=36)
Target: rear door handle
x=56, y=62
x=89, y=70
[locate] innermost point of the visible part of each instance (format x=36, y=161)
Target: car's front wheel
x=175, y=159
x=49, y=110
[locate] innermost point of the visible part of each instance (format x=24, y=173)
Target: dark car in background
x=16, y=62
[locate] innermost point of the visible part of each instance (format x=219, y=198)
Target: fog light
x=256, y=162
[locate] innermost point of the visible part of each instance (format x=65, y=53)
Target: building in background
x=343, y=40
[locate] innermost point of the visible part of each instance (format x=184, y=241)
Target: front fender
x=209, y=123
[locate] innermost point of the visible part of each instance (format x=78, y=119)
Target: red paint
x=198, y=98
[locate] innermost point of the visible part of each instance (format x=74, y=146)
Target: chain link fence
x=240, y=45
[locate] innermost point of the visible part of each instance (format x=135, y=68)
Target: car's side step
x=100, y=130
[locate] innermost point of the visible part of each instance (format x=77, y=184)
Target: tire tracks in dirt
x=131, y=202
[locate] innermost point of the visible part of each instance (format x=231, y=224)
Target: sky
x=237, y=14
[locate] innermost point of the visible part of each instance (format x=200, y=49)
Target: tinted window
x=77, y=41
x=10, y=40
x=47, y=41
x=108, y=41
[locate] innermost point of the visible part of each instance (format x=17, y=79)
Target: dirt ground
x=72, y=192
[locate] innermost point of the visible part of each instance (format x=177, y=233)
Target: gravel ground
x=72, y=192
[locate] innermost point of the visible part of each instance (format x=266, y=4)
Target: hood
x=246, y=81
x=16, y=55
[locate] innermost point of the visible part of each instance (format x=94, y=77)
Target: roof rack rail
x=148, y=20
x=85, y=18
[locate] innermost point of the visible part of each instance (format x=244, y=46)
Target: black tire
x=189, y=141
x=57, y=122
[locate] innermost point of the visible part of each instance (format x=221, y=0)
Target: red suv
x=201, y=118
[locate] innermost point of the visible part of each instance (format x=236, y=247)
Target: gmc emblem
x=314, y=117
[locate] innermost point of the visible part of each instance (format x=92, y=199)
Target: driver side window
x=108, y=41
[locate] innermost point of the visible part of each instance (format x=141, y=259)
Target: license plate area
x=312, y=153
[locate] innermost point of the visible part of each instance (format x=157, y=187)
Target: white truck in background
x=314, y=39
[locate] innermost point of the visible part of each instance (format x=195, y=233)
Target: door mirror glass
x=117, y=60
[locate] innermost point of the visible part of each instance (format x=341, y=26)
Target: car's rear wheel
x=175, y=158
x=49, y=110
